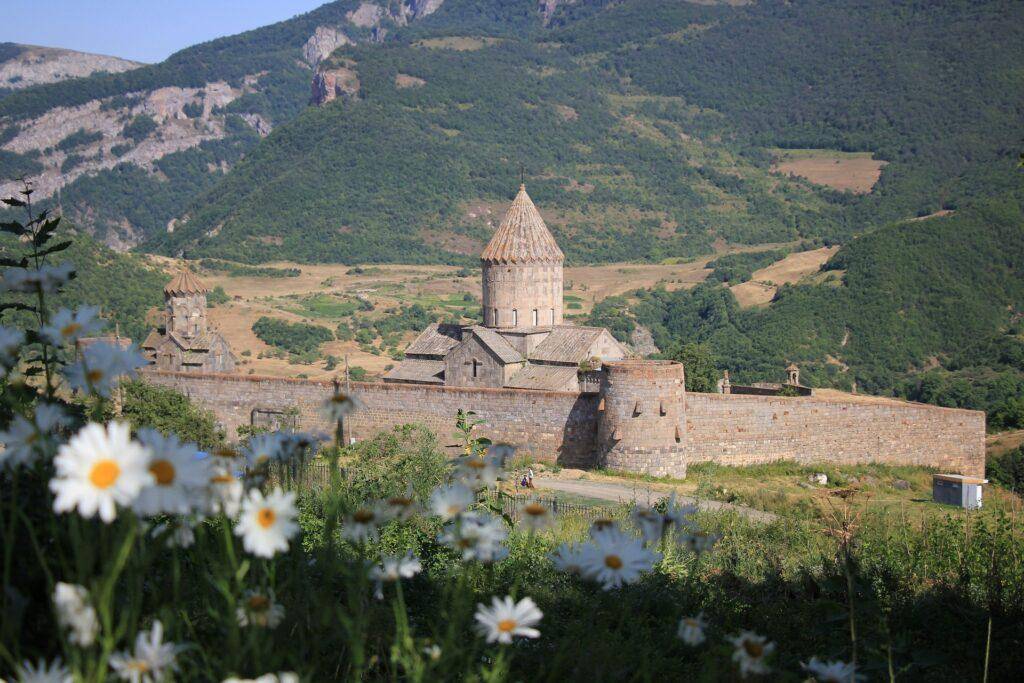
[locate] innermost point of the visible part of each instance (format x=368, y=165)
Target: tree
x=699, y=365
x=167, y=411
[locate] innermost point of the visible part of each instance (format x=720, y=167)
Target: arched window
x=552, y=316
x=476, y=367
x=494, y=316
x=536, y=317
x=515, y=318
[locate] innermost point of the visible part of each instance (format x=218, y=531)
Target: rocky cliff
x=29, y=65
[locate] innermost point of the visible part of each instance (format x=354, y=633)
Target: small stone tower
x=793, y=375
x=642, y=426
x=522, y=270
x=185, y=299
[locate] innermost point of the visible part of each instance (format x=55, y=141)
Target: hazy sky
x=143, y=30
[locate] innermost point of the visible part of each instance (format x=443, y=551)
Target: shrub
x=298, y=338
x=139, y=128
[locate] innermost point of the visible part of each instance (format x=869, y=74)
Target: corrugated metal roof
x=545, y=378
x=185, y=283
x=566, y=344
x=522, y=236
x=437, y=340
x=417, y=370
x=498, y=344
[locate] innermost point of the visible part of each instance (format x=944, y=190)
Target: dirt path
x=622, y=493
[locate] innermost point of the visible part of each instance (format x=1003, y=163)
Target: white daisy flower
x=151, y=660
x=100, y=367
x=67, y=327
x=476, y=472
x=500, y=453
x=650, y=523
x=179, y=533
x=281, y=677
x=392, y=568
x=750, y=653
x=402, y=506
x=25, y=439
x=339, y=405
x=691, y=630
x=506, y=619
x=75, y=613
x=224, y=489
x=698, y=542
x=266, y=523
x=296, y=445
x=263, y=448
x=477, y=536
x=568, y=558
x=678, y=517
x=363, y=525
x=832, y=672
x=259, y=610
x=11, y=340
x=450, y=501
x=98, y=470
x=433, y=652
x=178, y=477
x=613, y=558
x=537, y=516
x=43, y=672
x=602, y=524
x=48, y=278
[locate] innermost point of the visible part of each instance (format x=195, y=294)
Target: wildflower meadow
x=131, y=554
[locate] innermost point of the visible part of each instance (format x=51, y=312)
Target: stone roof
x=545, y=378
x=505, y=352
x=153, y=339
x=417, y=370
x=522, y=236
x=185, y=283
x=437, y=340
x=566, y=344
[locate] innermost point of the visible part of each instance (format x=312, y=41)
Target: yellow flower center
x=70, y=329
x=363, y=516
x=465, y=543
x=754, y=650
x=400, y=501
x=507, y=625
x=163, y=471
x=691, y=622
x=476, y=464
x=603, y=523
x=454, y=510
x=265, y=517
x=225, y=452
x=262, y=458
x=340, y=398
x=535, y=510
x=613, y=561
x=140, y=665
x=104, y=473
x=259, y=603
x=94, y=376
x=221, y=479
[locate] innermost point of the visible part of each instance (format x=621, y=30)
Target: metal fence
x=512, y=505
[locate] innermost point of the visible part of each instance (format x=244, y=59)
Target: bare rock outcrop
x=548, y=7
x=334, y=82
x=34, y=65
x=642, y=341
x=324, y=41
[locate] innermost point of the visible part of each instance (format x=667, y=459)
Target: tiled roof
x=417, y=370
x=545, y=378
x=152, y=340
x=522, y=236
x=194, y=357
x=505, y=352
x=185, y=283
x=566, y=344
x=437, y=340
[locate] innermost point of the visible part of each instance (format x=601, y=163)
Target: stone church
x=185, y=342
x=523, y=342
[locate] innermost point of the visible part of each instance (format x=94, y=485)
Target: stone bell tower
x=185, y=301
x=522, y=270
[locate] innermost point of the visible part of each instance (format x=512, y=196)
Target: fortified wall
x=642, y=420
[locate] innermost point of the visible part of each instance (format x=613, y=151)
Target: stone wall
x=744, y=430
x=551, y=426
x=563, y=427
x=513, y=291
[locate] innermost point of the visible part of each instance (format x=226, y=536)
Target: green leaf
x=13, y=227
x=11, y=201
x=60, y=246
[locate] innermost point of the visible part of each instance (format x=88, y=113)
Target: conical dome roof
x=185, y=283
x=522, y=236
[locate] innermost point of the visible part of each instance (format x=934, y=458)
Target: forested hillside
x=644, y=127
x=931, y=310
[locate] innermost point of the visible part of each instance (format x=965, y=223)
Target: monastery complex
x=567, y=394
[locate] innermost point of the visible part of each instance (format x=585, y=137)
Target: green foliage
x=71, y=162
x=699, y=365
x=242, y=270
x=298, y=338
x=192, y=110
x=216, y=297
x=14, y=165
x=80, y=138
x=740, y=267
x=139, y=128
x=1007, y=470
x=167, y=411
x=357, y=373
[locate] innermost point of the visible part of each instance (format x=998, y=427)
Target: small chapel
x=523, y=342
x=184, y=340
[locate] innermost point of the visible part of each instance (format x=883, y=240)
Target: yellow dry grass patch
x=761, y=288
x=855, y=172
x=997, y=444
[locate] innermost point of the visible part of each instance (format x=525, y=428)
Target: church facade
x=184, y=341
x=523, y=342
